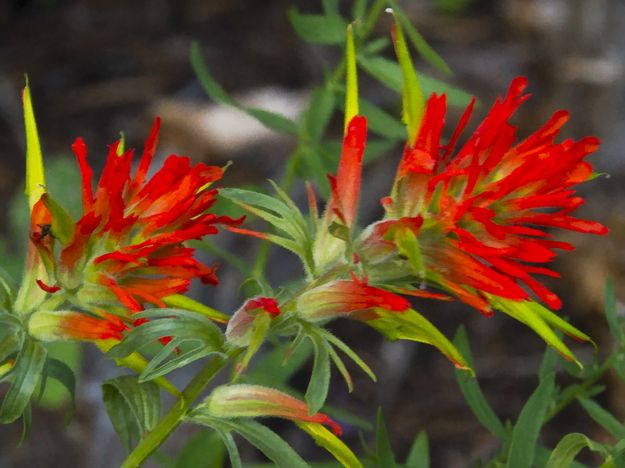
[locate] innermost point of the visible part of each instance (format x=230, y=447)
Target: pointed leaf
x=63, y=374
x=419, y=455
x=383, y=448
x=326, y=439
x=315, y=118
x=319, y=29
x=603, y=417
x=526, y=430
x=569, y=446
x=271, y=120
x=615, y=325
x=319, y=383
x=25, y=375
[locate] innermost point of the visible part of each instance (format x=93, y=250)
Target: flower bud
x=66, y=324
x=240, y=326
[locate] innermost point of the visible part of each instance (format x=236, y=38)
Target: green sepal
x=540, y=319
x=413, y=103
x=178, y=301
x=410, y=325
x=258, y=332
x=62, y=223
x=35, y=179
x=324, y=438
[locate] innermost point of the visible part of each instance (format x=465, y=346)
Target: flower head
x=128, y=246
x=480, y=214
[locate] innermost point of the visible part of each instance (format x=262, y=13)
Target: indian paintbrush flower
x=128, y=246
x=479, y=214
x=240, y=326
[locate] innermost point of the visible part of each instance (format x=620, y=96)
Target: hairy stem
x=178, y=411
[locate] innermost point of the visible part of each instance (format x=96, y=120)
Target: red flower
x=480, y=215
x=129, y=243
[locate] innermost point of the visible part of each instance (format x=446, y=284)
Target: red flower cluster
x=480, y=215
x=129, y=243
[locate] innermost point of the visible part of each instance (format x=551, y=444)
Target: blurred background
x=99, y=67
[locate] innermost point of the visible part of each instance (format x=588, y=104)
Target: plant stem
x=176, y=414
x=583, y=387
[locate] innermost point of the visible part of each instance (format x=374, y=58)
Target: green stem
x=176, y=414
x=583, y=387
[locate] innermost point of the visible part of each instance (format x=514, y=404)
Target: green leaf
x=603, y=417
x=10, y=344
x=319, y=29
x=548, y=364
x=569, y=446
x=35, y=180
x=616, y=328
x=260, y=326
x=277, y=367
x=472, y=392
x=271, y=120
x=410, y=325
x=204, y=450
x=133, y=407
x=326, y=439
x=315, y=118
x=63, y=374
x=417, y=40
x=419, y=455
x=384, y=451
x=25, y=375
x=381, y=122
x=349, y=352
x=261, y=437
x=319, y=383
x=388, y=73
x=527, y=428
x=413, y=102
x=193, y=335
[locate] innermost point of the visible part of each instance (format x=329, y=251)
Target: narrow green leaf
x=381, y=122
x=351, y=79
x=319, y=29
x=25, y=375
x=388, y=73
x=233, y=451
x=472, y=392
x=63, y=374
x=528, y=425
x=11, y=343
x=133, y=407
x=548, y=364
x=424, y=49
x=35, y=180
x=349, y=352
x=413, y=102
x=324, y=438
x=319, y=383
x=359, y=8
x=342, y=369
x=269, y=119
x=261, y=437
x=315, y=118
x=616, y=327
x=204, y=450
x=603, y=417
x=419, y=455
x=569, y=446
x=383, y=448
